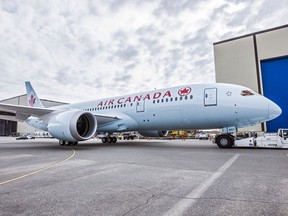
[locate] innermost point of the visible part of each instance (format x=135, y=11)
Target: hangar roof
x=251, y=34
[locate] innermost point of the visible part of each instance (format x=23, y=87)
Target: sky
x=77, y=50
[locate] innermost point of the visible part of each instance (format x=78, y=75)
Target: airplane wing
x=31, y=111
x=20, y=113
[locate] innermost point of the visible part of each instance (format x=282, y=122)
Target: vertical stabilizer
x=32, y=98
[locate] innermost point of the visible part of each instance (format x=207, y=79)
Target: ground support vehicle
x=129, y=136
x=268, y=140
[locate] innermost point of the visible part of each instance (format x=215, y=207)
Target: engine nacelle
x=154, y=133
x=73, y=125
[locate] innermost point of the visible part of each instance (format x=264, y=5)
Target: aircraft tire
x=114, y=139
x=104, y=139
x=67, y=143
x=61, y=143
x=109, y=139
x=224, y=141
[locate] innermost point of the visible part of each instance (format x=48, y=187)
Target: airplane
x=152, y=113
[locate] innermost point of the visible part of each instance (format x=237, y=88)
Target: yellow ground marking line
x=40, y=170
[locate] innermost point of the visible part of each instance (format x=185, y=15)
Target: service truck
x=268, y=140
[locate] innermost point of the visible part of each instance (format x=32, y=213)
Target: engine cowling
x=73, y=125
x=154, y=133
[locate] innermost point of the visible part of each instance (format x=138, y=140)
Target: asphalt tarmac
x=140, y=177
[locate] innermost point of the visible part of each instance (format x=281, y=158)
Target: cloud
x=74, y=51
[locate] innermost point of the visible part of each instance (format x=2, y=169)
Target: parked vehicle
x=25, y=137
x=203, y=135
x=129, y=136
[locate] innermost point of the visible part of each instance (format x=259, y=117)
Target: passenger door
x=140, y=107
x=210, y=97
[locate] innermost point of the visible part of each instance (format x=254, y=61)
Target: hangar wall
x=8, y=127
x=243, y=60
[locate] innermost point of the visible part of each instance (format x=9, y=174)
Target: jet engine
x=73, y=125
x=154, y=133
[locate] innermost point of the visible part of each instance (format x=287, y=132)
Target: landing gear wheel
x=109, y=139
x=104, y=139
x=114, y=139
x=67, y=143
x=61, y=143
x=224, y=141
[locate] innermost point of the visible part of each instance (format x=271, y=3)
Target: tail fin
x=32, y=98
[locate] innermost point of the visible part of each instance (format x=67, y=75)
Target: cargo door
x=210, y=97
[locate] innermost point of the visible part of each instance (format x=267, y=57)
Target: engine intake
x=73, y=125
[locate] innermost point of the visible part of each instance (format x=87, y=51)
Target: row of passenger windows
x=171, y=99
x=108, y=107
x=131, y=104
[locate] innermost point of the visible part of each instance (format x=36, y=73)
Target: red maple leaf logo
x=184, y=91
x=32, y=100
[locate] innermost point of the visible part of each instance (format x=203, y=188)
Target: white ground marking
x=180, y=207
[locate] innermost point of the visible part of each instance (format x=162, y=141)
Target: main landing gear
x=67, y=143
x=108, y=139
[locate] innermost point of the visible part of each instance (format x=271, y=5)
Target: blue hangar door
x=275, y=87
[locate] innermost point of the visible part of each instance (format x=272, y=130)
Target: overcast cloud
x=74, y=50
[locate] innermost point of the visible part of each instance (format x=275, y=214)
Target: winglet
x=32, y=98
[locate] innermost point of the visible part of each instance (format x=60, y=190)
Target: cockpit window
x=246, y=93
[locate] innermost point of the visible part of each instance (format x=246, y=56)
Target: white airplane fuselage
x=198, y=106
x=153, y=113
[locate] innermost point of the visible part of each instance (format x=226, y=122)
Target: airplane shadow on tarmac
x=52, y=145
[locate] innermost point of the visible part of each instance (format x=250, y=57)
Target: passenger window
x=167, y=99
x=176, y=98
x=158, y=101
x=191, y=96
x=180, y=98
x=162, y=100
x=171, y=99
x=186, y=97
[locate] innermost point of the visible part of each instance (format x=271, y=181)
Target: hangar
x=260, y=62
x=8, y=128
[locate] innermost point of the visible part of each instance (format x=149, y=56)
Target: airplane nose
x=274, y=110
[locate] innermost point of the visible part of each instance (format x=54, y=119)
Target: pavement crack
x=143, y=204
